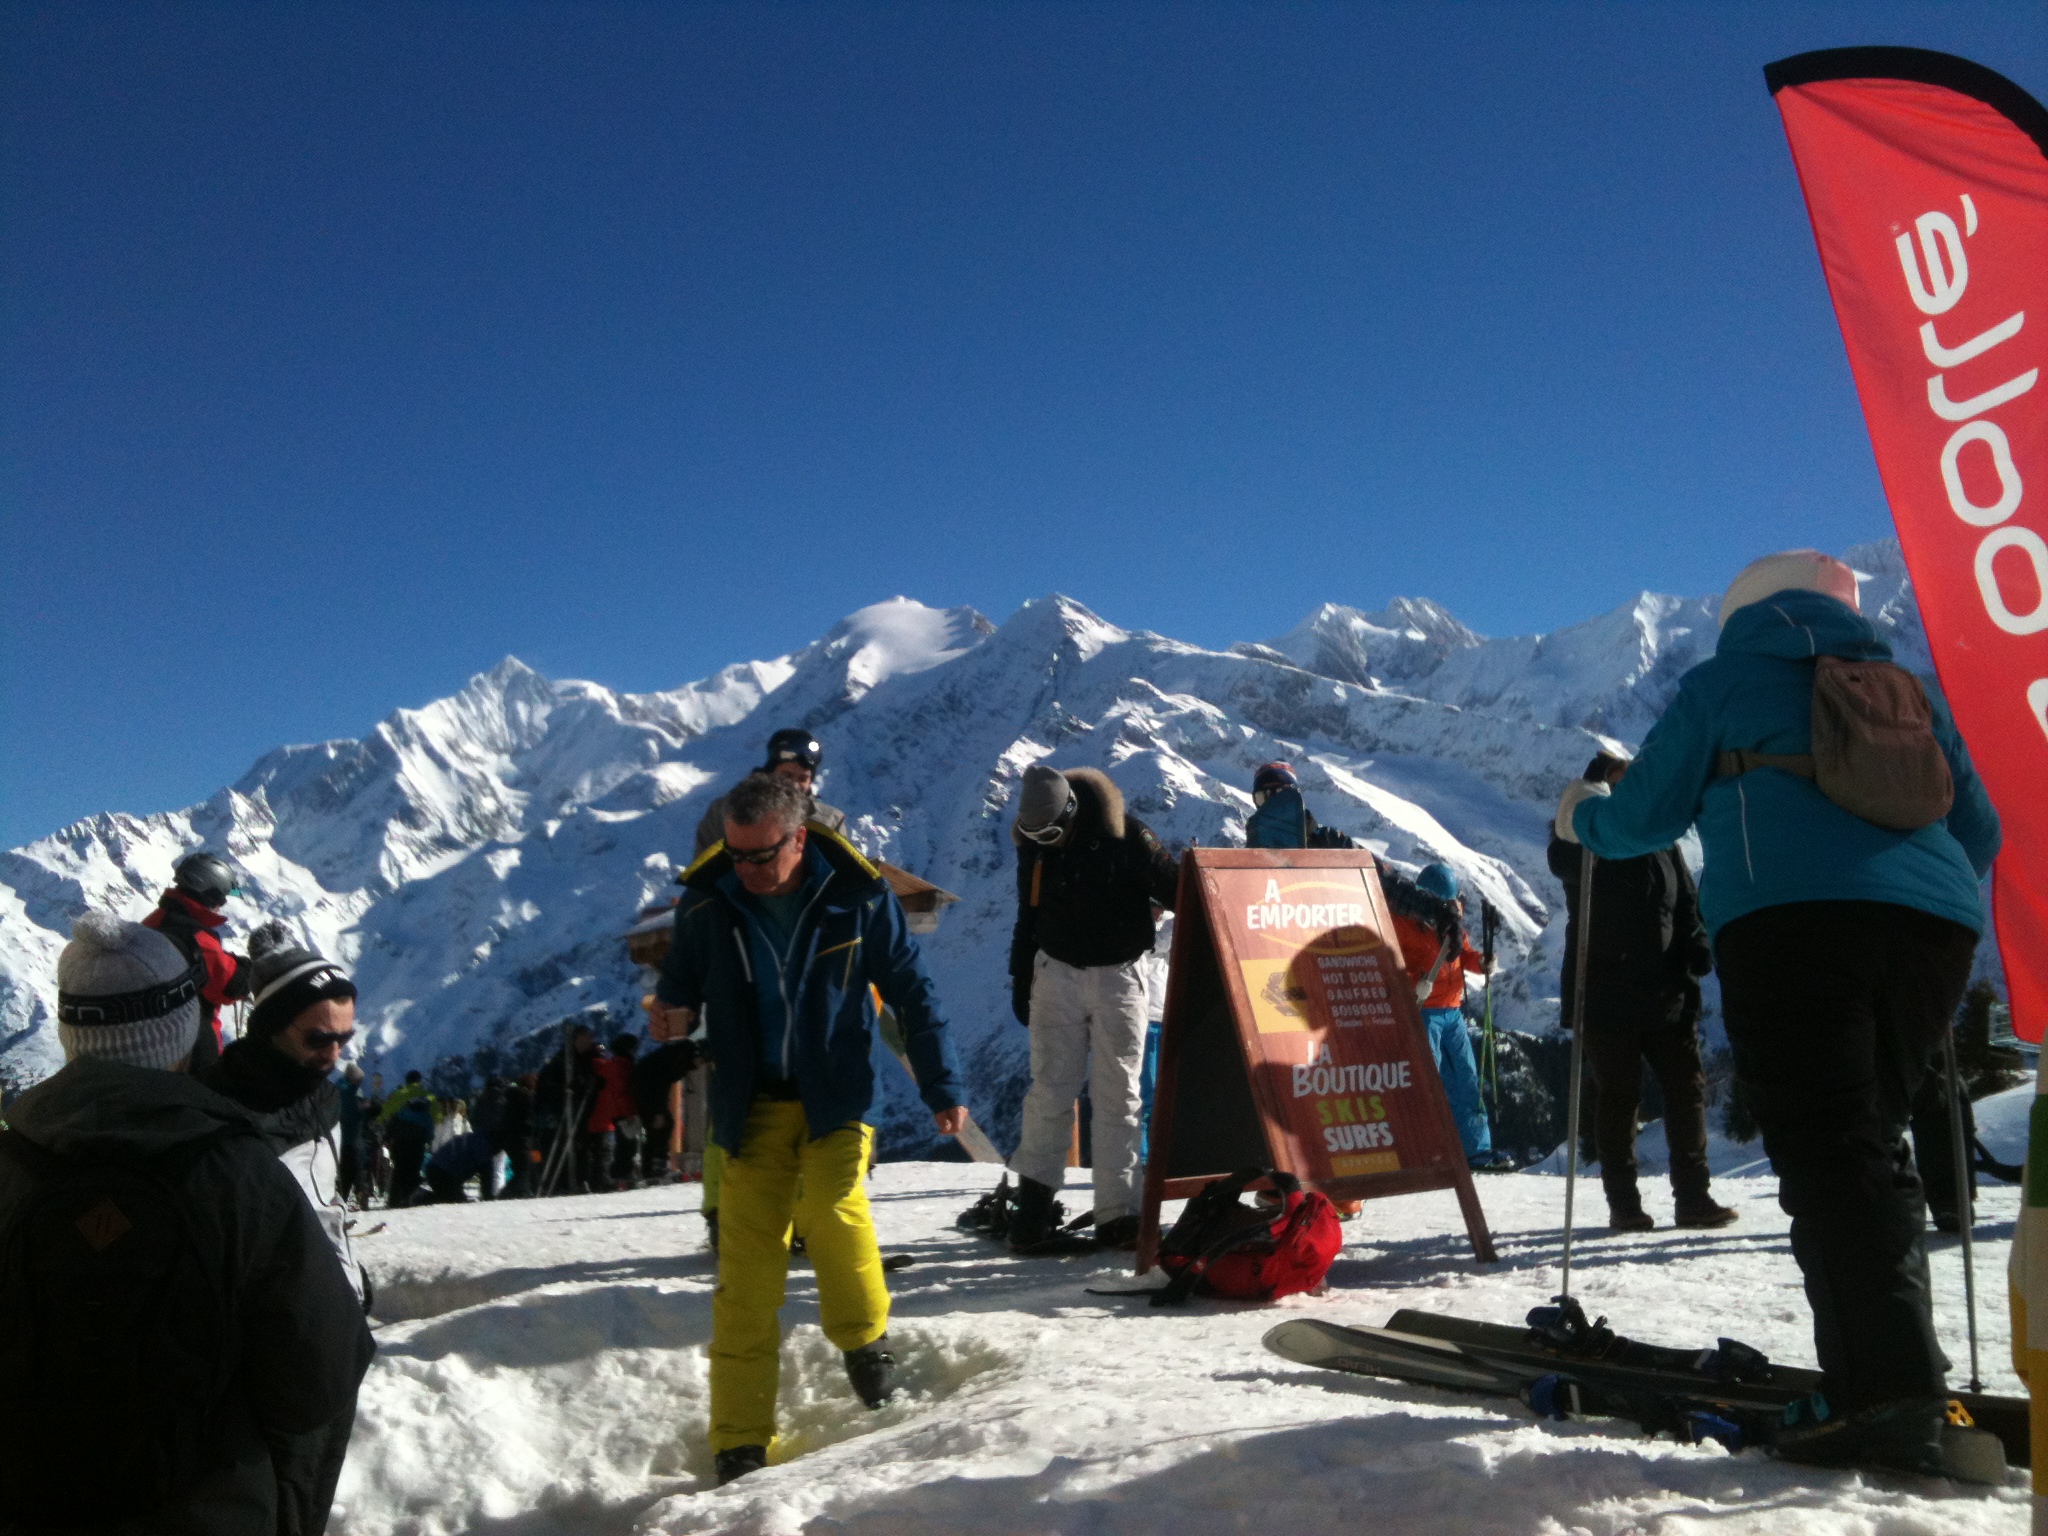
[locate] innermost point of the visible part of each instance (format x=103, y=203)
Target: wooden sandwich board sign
x=1292, y=1040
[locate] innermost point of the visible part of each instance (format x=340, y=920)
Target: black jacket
x=1648, y=942
x=289, y=1106
x=1089, y=902
x=302, y=1341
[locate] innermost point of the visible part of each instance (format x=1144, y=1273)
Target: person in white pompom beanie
x=125, y=993
x=188, y=1258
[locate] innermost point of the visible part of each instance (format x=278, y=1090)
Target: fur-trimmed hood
x=1098, y=803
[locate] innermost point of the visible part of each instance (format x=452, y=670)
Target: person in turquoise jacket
x=1843, y=950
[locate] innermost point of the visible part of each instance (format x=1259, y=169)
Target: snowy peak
x=1406, y=641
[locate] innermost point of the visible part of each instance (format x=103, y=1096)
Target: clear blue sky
x=346, y=348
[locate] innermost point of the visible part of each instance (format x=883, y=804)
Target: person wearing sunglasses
x=1089, y=875
x=302, y=1017
x=785, y=941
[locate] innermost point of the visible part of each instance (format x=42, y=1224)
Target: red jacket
x=190, y=926
x=1420, y=947
x=614, y=1093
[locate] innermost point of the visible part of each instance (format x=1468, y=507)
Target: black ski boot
x=739, y=1461
x=1035, y=1215
x=711, y=1232
x=1904, y=1435
x=1625, y=1211
x=1702, y=1210
x=872, y=1370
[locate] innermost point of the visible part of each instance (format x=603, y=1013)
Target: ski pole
x=1571, y=1166
x=1966, y=1179
x=1490, y=1065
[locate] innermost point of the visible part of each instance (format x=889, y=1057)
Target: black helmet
x=794, y=746
x=205, y=878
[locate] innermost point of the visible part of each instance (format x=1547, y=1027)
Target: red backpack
x=1249, y=1253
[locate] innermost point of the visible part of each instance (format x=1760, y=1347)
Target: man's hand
x=664, y=1022
x=951, y=1122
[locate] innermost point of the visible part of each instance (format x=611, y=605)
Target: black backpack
x=119, y=1341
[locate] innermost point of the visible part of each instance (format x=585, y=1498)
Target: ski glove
x=1020, y=997
x=1575, y=792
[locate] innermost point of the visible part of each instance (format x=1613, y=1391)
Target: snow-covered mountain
x=477, y=860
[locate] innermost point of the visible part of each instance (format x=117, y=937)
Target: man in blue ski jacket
x=784, y=939
x=1843, y=949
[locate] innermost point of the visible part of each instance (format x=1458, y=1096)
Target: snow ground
x=542, y=1372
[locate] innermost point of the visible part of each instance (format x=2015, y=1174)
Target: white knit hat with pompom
x=125, y=993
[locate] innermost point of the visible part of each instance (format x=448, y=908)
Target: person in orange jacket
x=1437, y=964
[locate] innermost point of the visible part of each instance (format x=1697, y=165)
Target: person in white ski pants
x=1087, y=1021
x=1091, y=879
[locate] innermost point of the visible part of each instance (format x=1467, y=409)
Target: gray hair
x=765, y=797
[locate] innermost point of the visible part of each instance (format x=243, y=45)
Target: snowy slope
x=476, y=860
x=543, y=1370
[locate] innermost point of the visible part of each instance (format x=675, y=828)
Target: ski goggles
x=1053, y=830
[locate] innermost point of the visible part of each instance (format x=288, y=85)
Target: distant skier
x=565, y=1092
x=1088, y=877
x=407, y=1123
x=795, y=757
x=177, y=1331
x=304, y=1016
x=1280, y=818
x=1843, y=947
x=189, y=915
x=613, y=1131
x=455, y=1162
x=783, y=939
x=655, y=1072
x=1649, y=950
x=353, y=1185
x=1438, y=957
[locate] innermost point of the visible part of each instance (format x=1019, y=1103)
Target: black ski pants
x=408, y=1145
x=1833, y=1008
x=1625, y=1030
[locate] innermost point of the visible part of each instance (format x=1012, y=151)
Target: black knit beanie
x=288, y=979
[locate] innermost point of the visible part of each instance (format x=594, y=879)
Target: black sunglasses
x=320, y=1039
x=759, y=855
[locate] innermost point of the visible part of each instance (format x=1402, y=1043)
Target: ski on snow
x=1565, y=1368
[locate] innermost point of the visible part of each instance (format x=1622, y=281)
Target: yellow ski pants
x=779, y=1173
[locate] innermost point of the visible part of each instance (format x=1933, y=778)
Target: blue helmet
x=1440, y=880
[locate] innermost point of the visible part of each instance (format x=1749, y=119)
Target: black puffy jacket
x=1089, y=901
x=273, y=1440
x=1648, y=941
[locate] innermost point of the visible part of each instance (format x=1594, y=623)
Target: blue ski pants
x=1452, y=1048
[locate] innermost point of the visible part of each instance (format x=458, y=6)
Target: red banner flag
x=1927, y=180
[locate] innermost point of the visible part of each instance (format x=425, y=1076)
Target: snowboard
x=1730, y=1394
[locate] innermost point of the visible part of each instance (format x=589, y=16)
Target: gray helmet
x=205, y=878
